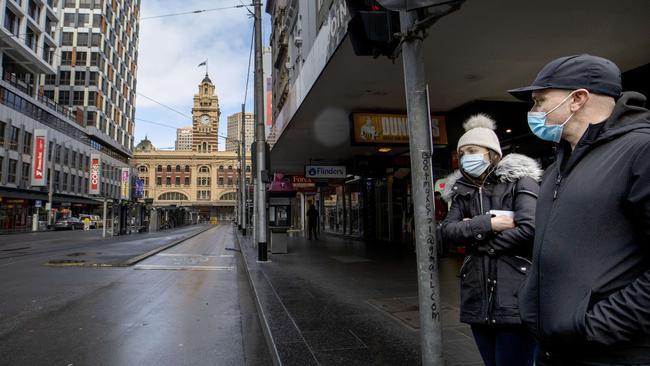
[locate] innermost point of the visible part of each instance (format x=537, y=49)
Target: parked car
x=69, y=223
x=95, y=221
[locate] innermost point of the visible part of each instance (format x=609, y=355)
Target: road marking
x=192, y=255
x=184, y=268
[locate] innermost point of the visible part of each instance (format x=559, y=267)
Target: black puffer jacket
x=496, y=262
x=587, y=296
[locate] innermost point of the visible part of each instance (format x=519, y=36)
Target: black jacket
x=496, y=262
x=587, y=297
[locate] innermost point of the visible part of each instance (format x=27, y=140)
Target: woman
x=492, y=214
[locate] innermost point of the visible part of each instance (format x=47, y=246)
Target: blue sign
x=38, y=203
x=139, y=188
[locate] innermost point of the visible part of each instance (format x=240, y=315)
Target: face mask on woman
x=474, y=164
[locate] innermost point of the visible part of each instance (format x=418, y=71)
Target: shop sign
x=303, y=184
x=38, y=203
x=391, y=129
x=95, y=173
x=325, y=171
x=126, y=184
x=14, y=201
x=39, y=158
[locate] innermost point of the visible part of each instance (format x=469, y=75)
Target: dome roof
x=144, y=145
x=206, y=79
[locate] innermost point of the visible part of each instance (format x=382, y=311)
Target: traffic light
x=372, y=28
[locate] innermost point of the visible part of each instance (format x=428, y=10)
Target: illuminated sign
x=95, y=173
x=39, y=158
x=392, y=129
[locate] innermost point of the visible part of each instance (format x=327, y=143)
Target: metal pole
x=259, y=137
x=104, y=217
x=50, y=190
x=242, y=176
x=422, y=180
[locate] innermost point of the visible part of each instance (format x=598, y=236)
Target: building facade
x=202, y=179
x=96, y=66
x=184, y=139
x=29, y=44
x=234, y=130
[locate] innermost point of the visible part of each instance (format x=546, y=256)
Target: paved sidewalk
x=341, y=302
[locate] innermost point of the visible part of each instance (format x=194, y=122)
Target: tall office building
x=234, y=131
x=41, y=142
x=97, y=65
x=184, y=139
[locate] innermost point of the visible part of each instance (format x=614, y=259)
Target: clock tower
x=205, y=118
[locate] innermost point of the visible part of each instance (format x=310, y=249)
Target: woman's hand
x=500, y=223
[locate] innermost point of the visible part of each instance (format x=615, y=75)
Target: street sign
x=325, y=171
x=38, y=203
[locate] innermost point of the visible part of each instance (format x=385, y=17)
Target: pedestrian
x=492, y=214
x=312, y=221
x=587, y=297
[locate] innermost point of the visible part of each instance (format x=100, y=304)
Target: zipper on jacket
x=480, y=197
x=558, y=181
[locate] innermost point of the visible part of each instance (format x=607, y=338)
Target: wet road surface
x=188, y=305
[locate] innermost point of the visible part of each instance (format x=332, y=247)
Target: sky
x=170, y=50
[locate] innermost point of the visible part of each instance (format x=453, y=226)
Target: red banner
x=95, y=166
x=39, y=159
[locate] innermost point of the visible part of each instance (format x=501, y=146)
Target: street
x=188, y=305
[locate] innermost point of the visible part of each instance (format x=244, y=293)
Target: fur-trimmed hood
x=509, y=169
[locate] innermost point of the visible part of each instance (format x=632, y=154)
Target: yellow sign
x=390, y=129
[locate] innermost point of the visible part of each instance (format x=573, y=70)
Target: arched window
x=143, y=169
x=204, y=169
x=169, y=168
x=248, y=168
x=220, y=167
x=230, y=196
x=178, y=168
x=159, y=168
x=229, y=167
x=187, y=168
x=172, y=196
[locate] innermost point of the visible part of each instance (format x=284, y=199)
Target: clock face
x=204, y=119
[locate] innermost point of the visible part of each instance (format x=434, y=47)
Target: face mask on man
x=474, y=164
x=537, y=124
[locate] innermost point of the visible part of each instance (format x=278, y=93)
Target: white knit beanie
x=480, y=132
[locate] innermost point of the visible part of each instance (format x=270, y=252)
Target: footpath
x=335, y=301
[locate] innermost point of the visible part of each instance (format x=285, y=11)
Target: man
x=312, y=218
x=587, y=296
